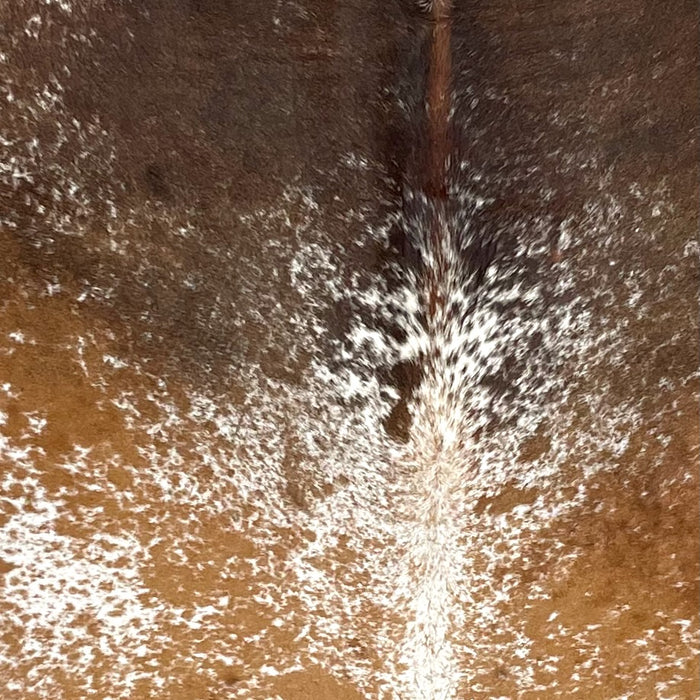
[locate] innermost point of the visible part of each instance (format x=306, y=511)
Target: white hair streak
x=430, y=6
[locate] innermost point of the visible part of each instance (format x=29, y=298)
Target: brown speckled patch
x=217, y=478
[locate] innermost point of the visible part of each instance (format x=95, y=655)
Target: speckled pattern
x=238, y=459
